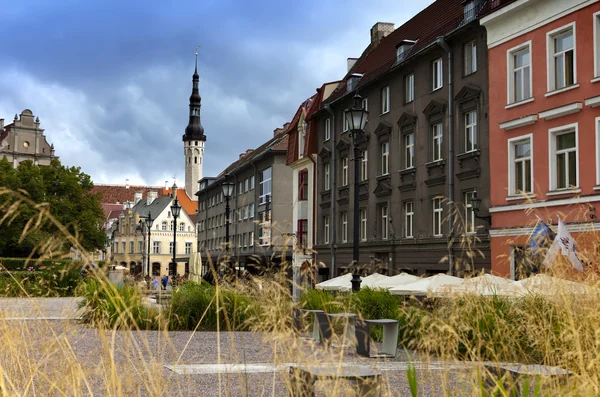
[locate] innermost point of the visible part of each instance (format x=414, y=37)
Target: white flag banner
x=565, y=243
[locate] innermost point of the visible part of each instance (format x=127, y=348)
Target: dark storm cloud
x=110, y=80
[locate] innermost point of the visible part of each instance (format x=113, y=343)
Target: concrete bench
x=390, y=337
x=325, y=321
x=315, y=330
x=512, y=376
x=363, y=379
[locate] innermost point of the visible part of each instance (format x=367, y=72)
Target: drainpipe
x=441, y=41
x=333, y=181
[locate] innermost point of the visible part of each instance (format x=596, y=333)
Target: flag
x=540, y=237
x=566, y=245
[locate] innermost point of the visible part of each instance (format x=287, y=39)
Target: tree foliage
x=66, y=192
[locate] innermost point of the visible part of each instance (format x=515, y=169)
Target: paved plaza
x=39, y=308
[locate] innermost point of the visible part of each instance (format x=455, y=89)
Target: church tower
x=193, y=141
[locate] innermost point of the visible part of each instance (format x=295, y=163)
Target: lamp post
x=149, y=222
x=175, y=210
x=476, y=205
x=227, y=187
x=356, y=119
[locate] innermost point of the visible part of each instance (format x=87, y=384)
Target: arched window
x=164, y=225
x=195, y=160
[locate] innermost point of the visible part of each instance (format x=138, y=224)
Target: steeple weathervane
x=194, y=130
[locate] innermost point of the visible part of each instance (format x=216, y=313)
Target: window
x=302, y=233
x=346, y=125
x=326, y=177
x=326, y=230
x=140, y=246
x=264, y=184
x=251, y=239
x=182, y=227
x=363, y=166
x=240, y=188
x=521, y=166
x=437, y=77
x=245, y=236
x=246, y=210
x=303, y=185
x=164, y=226
x=327, y=129
x=409, y=88
x=436, y=139
x=345, y=171
x=385, y=100
x=363, y=225
x=596, y=45
x=519, y=73
x=409, y=150
x=561, y=58
x=264, y=228
x=156, y=247
x=384, y=222
x=409, y=215
x=470, y=58
x=365, y=104
x=385, y=158
x=469, y=11
x=171, y=248
x=437, y=216
x=301, y=139
x=470, y=131
x=246, y=185
x=252, y=182
x=563, y=157
x=252, y=210
x=131, y=245
x=469, y=213
x=188, y=248
x=344, y=224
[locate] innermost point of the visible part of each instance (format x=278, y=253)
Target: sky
x=110, y=80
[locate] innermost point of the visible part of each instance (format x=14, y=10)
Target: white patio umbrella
x=396, y=281
x=373, y=280
x=489, y=285
x=119, y=267
x=337, y=283
x=548, y=285
x=429, y=285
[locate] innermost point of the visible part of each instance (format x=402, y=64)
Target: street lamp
x=227, y=187
x=476, y=205
x=175, y=210
x=149, y=222
x=356, y=119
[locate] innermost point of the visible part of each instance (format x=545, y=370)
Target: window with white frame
x=437, y=134
x=562, y=65
x=469, y=213
x=252, y=210
x=385, y=158
x=385, y=100
x=246, y=185
x=182, y=227
x=409, y=150
x=363, y=165
x=171, y=247
x=471, y=131
x=519, y=73
x=365, y=104
x=597, y=44
x=326, y=176
x=344, y=226
x=251, y=239
x=188, y=248
x=409, y=216
x=346, y=125
x=563, y=157
x=164, y=225
x=521, y=166
x=409, y=88
x=156, y=247
x=140, y=246
x=252, y=182
x=437, y=216
x=384, y=222
x=327, y=129
x=437, y=71
x=131, y=246
x=326, y=229
x=470, y=57
x=345, y=171
x=264, y=184
x=363, y=224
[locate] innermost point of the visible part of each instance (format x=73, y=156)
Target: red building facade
x=544, y=115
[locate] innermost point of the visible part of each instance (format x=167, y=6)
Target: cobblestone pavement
x=39, y=308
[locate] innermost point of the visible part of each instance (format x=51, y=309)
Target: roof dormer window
x=352, y=81
x=470, y=10
x=402, y=49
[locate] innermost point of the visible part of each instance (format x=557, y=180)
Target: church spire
x=194, y=130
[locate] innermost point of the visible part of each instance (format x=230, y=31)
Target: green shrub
x=107, y=305
x=15, y=264
x=325, y=300
x=40, y=283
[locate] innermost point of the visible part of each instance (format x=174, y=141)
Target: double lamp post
x=227, y=186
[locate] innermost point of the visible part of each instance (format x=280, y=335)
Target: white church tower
x=193, y=141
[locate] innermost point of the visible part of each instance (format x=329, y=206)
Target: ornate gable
x=467, y=93
x=407, y=119
x=342, y=145
x=383, y=131
x=384, y=187
x=325, y=153
x=434, y=108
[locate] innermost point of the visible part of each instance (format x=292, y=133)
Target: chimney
x=249, y=151
x=1, y=124
x=152, y=195
x=379, y=31
x=126, y=183
x=351, y=62
x=137, y=197
x=242, y=155
x=167, y=186
x=277, y=131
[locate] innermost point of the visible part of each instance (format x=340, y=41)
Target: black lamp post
x=227, y=187
x=149, y=222
x=356, y=119
x=175, y=210
x=476, y=205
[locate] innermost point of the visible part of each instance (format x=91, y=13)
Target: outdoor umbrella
x=337, y=283
x=395, y=281
x=429, y=285
x=489, y=285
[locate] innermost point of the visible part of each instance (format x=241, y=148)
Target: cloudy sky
x=110, y=79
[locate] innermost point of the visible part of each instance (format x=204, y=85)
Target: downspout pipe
x=333, y=181
x=441, y=41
